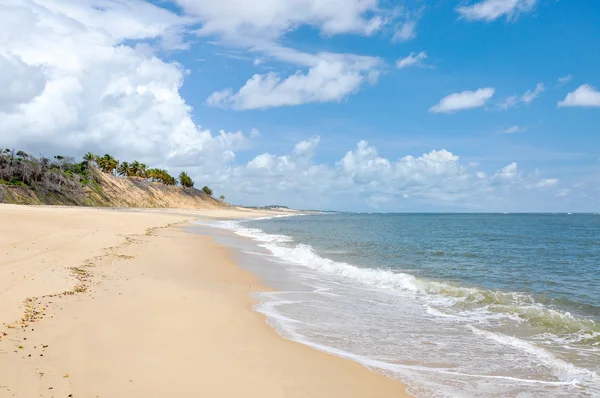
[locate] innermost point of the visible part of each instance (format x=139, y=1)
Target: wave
x=466, y=301
x=544, y=356
x=549, y=330
x=269, y=308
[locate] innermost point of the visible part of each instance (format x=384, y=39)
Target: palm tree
x=135, y=168
x=89, y=158
x=158, y=175
x=107, y=163
x=124, y=169
x=185, y=180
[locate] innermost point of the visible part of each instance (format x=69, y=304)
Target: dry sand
x=110, y=303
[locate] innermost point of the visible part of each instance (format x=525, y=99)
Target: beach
x=111, y=303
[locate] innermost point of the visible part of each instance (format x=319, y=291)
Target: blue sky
x=489, y=105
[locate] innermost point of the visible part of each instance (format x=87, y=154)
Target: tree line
x=20, y=168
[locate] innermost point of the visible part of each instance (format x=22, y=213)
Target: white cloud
x=74, y=86
x=463, y=100
x=125, y=20
x=514, y=129
x=526, y=98
x=259, y=27
x=269, y=19
x=585, y=95
x=331, y=78
x=406, y=31
x=531, y=95
x=411, y=60
x=564, y=79
x=546, y=183
x=490, y=10
x=436, y=178
x=507, y=173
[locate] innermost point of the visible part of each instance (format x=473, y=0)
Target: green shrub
x=207, y=190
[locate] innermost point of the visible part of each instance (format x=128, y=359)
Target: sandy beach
x=114, y=303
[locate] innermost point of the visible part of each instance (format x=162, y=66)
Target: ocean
x=454, y=305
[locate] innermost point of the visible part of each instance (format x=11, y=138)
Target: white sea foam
x=269, y=308
x=544, y=356
x=436, y=298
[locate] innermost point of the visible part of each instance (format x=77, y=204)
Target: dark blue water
x=452, y=304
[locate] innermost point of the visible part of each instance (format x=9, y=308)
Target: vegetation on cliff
x=61, y=180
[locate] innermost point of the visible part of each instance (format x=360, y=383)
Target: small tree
x=185, y=180
x=207, y=190
x=222, y=198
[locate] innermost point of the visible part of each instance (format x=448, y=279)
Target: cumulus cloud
x=412, y=59
x=74, y=86
x=331, y=78
x=436, y=178
x=319, y=77
x=463, y=100
x=585, y=96
x=490, y=10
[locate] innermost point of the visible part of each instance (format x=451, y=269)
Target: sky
x=353, y=105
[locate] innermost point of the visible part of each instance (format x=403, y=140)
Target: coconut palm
x=89, y=158
x=185, y=180
x=124, y=169
x=135, y=168
x=107, y=163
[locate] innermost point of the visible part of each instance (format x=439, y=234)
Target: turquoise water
x=452, y=304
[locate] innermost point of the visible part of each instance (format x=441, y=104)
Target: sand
x=112, y=303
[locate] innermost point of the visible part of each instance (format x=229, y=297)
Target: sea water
x=454, y=305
